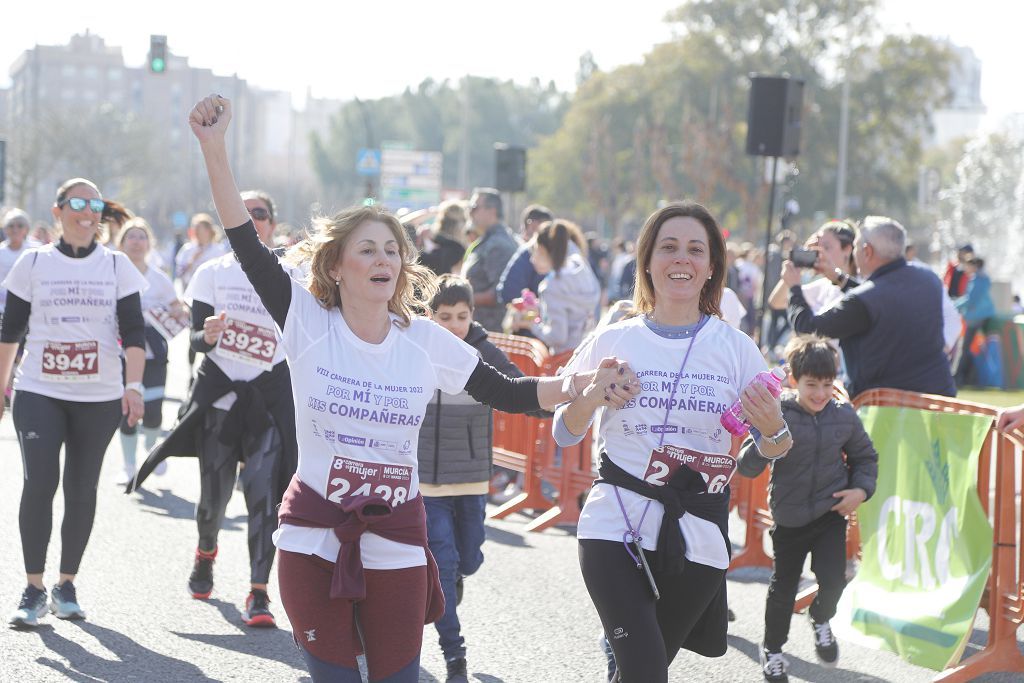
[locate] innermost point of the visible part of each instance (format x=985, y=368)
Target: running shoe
x=609, y=655
x=200, y=582
x=774, y=666
x=31, y=607
x=825, y=645
x=257, y=610
x=457, y=671
x=64, y=602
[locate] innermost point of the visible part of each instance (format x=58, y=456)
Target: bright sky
x=375, y=48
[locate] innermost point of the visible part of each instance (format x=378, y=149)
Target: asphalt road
x=526, y=614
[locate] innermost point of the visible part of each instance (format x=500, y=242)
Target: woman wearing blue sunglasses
x=77, y=299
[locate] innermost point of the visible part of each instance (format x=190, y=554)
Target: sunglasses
x=259, y=214
x=78, y=204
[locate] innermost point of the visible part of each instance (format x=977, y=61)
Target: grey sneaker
x=64, y=602
x=774, y=666
x=825, y=645
x=31, y=607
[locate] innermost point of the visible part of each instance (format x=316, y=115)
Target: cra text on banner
x=927, y=544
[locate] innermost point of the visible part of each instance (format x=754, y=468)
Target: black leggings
x=644, y=634
x=45, y=424
x=218, y=469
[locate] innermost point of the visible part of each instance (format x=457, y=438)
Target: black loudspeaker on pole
x=509, y=168
x=773, y=130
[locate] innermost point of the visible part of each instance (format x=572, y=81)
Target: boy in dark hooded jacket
x=813, y=489
x=455, y=468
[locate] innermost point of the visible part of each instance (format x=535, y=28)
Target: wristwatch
x=777, y=438
x=136, y=387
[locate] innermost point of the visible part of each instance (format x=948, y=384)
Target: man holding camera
x=889, y=327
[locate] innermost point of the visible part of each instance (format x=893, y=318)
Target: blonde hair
x=325, y=243
x=137, y=223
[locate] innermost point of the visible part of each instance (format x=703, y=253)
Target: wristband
x=136, y=387
x=569, y=387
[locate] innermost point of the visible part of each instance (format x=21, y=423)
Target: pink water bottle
x=733, y=419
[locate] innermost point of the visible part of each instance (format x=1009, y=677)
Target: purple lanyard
x=631, y=535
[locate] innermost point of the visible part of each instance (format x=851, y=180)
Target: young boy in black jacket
x=812, y=491
x=455, y=469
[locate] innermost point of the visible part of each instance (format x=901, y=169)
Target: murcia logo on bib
x=715, y=468
x=248, y=343
x=71, y=361
x=357, y=478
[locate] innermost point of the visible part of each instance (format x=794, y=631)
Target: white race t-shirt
x=252, y=344
x=7, y=258
x=73, y=349
x=732, y=310
x=191, y=257
x=161, y=290
x=821, y=295
x=358, y=409
x=722, y=363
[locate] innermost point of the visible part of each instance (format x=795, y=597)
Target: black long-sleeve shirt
x=273, y=285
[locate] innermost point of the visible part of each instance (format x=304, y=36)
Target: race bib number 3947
x=715, y=468
x=71, y=361
x=357, y=478
x=248, y=343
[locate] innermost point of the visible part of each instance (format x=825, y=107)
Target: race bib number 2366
x=715, y=468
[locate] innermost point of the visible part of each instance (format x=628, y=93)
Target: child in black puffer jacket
x=813, y=489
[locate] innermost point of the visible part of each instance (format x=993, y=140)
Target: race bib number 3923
x=357, y=478
x=248, y=343
x=71, y=361
x=715, y=468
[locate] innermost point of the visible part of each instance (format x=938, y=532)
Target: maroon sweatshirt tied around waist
x=406, y=523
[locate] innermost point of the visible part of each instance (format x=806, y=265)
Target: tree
x=986, y=204
x=676, y=123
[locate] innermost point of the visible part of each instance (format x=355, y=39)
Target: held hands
x=209, y=118
x=762, y=409
x=1011, y=419
x=612, y=384
x=213, y=326
x=849, y=499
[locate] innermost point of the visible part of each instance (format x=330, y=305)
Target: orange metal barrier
x=572, y=474
x=520, y=441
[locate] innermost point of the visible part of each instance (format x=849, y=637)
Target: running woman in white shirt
x=136, y=241
x=239, y=410
x=655, y=522
x=80, y=303
x=352, y=541
x=16, y=225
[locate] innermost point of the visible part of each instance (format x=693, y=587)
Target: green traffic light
x=157, y=65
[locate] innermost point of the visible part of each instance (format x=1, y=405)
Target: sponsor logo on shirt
x=664, y=429
x=353, y=440
x=383, y=445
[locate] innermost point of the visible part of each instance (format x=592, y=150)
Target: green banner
x=927, y=544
